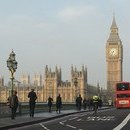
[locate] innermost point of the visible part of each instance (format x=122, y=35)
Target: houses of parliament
x=51, y=84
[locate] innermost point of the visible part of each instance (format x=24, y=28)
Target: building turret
x=25, y=79
x=37, y=80
x=81, y=76
x=1, y=81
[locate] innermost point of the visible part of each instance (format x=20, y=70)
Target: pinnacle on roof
x=114, y=23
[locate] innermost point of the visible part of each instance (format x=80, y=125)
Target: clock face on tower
x=113, y=52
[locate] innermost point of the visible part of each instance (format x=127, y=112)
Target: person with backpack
x=32, y=101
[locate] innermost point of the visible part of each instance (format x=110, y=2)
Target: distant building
x=25, y=79
x=52, y=86
x=37, y=80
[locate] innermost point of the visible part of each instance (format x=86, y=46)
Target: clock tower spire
x=114, y=36
x=114, y=58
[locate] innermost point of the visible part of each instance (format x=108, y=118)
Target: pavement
x=23, y=120
x=8, y=123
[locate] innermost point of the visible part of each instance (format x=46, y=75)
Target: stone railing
x=23, y=108
x=4, y=110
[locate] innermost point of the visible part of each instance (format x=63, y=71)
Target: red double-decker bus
x=122, y=95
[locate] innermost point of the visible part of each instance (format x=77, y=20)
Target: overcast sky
x=62, y=33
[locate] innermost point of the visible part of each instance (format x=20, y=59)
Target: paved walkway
x=6, y=123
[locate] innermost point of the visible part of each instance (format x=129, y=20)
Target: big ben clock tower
x=114, y=58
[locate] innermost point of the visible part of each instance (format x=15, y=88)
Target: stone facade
x=52, y=86
x=114, y=58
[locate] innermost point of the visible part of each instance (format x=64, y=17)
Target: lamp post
x=76, y=84
x=12, y=66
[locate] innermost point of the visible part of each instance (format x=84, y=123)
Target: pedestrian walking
x=84, y=103
x=79, y=102
x=50, y=100
x=76, y=103
x=13, y=103
x=58, y=103
x=100, y=103
x=90, y=103
x=32, y=101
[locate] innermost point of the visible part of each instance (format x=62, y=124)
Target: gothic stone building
x=52, y=86
x=114, y=59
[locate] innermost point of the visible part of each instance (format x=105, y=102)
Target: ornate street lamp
x=12, y=66
x=76, y=84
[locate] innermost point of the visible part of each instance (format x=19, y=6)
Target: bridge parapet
x=23, y=108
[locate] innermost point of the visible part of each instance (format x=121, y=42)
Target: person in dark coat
x=100, y=103
x=79, y=102
x=32, y=98
x=58, y=103
x=13, y=104
x=84, y=103
x=50, y=100
x=76, y=103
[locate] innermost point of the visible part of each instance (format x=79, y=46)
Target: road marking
x=61, y=123
x=99, y=118
x=71, y=126
x=123, y=123
x=44, y=126
x=90, y=118
x=73, y=118
x=79, y=120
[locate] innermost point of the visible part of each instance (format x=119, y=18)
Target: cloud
x=75, y=12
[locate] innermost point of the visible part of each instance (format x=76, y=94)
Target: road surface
x=109, y=119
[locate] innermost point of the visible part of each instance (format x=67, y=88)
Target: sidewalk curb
x=41, y=120
x=36, y=121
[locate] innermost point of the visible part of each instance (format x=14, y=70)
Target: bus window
x=123, y=95
x=122, y=86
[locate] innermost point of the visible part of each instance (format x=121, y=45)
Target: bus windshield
x=122, y=86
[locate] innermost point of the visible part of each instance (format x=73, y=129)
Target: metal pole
x=12, y=78
x=76, y=90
